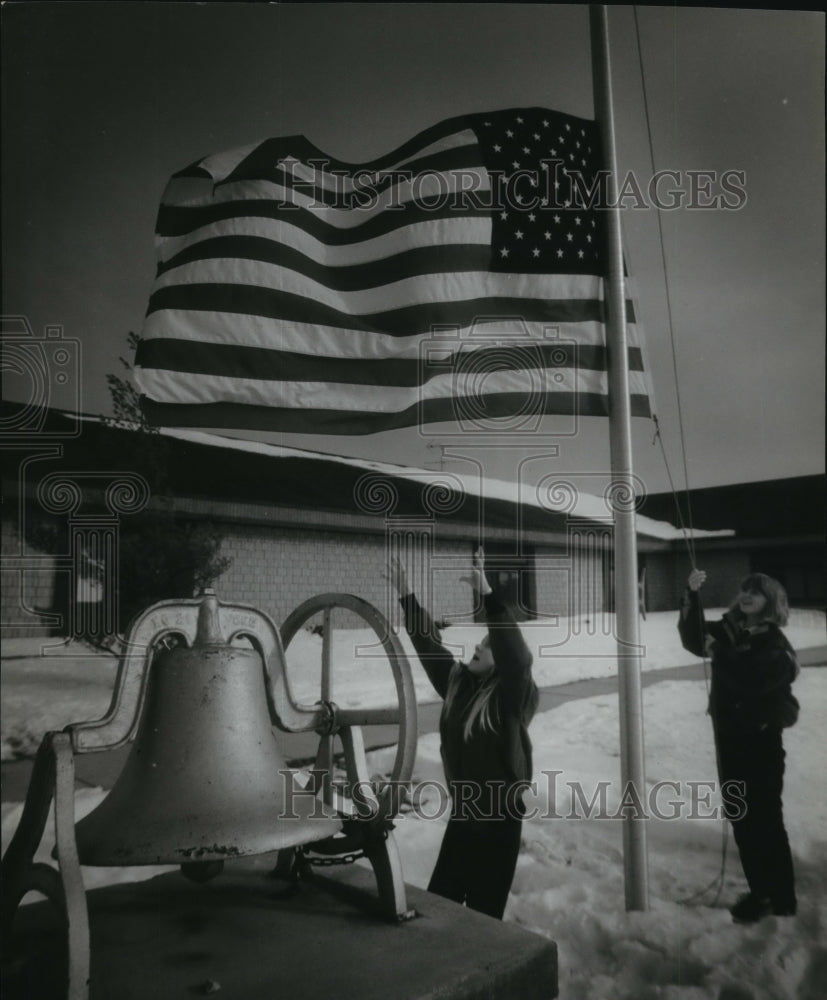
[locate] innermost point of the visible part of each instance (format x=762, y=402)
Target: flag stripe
x=298, y=147
x=428, y=191
x=290, y=420
x=479, y=397
x=242, y=362
x=318, y=340
x=178, y=220
x=434, y=232
x=328, y=186
x=474, y=385
x=248, y=252
x=417, y=289
x=404, y=321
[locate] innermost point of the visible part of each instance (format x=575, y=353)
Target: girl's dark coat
x=487, y=761
x=752, y=669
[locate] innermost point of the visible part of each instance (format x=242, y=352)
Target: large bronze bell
x=205, y=780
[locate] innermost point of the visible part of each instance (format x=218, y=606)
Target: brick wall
x=27, y=594
x=569, y=582
x=666, y=575
x=276, y=569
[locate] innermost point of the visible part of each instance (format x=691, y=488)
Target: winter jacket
x=486, y=759
x=753, y=669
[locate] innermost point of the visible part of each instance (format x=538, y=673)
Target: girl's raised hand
x=397, y=576
x=477, y=578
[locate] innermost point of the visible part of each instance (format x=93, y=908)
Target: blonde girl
x=486, y=750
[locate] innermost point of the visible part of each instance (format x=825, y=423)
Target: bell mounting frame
x=368, y=826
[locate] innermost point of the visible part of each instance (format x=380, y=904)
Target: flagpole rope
x=687, y=538
x=717, y=883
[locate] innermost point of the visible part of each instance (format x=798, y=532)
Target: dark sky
x=102, y=102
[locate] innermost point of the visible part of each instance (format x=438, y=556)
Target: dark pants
x=476, y=863
x=757, y=760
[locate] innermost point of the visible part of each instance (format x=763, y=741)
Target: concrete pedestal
x=247, y=936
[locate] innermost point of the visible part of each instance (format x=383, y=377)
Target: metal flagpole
x=620, y=432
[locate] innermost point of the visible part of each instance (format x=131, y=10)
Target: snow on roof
x=560, y=501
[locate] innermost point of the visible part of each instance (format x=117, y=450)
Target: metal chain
x=339, y=859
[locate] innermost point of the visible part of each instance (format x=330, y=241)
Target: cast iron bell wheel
x=348, y=723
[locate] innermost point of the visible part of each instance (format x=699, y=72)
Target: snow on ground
x=569, y=884
x=47, y=685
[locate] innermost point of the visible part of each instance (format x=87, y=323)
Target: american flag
x=459, y=275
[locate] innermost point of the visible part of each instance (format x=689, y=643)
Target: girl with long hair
x=750, y=702
x=486, y=750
